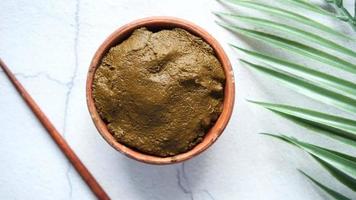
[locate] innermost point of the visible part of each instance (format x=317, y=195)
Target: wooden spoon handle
x=56, y=136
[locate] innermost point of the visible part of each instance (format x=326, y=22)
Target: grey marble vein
x=209, y=194
x=70, y=85
x=183, y=182
x=41, y=74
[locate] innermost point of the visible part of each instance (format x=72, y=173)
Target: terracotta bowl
x=158, y=23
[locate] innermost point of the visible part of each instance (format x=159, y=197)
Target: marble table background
x=49, y=45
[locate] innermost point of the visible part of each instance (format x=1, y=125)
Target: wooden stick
x=56, y=136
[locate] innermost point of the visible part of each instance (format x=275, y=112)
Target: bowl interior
x=155, y=24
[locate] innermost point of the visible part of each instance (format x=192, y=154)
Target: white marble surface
x=49, y=45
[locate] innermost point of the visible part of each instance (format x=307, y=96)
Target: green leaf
x=295, y=47
x=308, y=6
x=335, y=125
x=339, y=175
x=331, y=192
x=311, y=90
x=341, y=166
x=289, y=15
x=341, y=86
x=344, y=14
x=318, y=129
x=288, y=30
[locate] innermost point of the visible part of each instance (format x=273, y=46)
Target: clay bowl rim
x=158, y=23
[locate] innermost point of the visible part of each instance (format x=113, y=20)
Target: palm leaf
x=348, y=181
x=344, y=15
x=341, y=166
x=341, y=127
x=308, y=6
x=289, y=15
x=332, y=193
x=341, y=86
x=295, y=47
x=291, y=31
x=318, y=129
x=311, y=90
x=318, y=85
